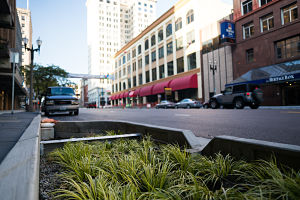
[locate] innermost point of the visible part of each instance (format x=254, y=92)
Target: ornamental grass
x=144, y=170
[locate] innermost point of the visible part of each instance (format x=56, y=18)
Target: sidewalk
x=12, y=128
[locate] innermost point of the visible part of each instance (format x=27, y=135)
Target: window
x=128, y=56
x=180, y=65
x=289, y=13
x=153, y=56
x=246, y=7
x=128, y=69
x=154, y=77
x=139, y=49
x=147, y=77
x=140, y=64
x=191, y=59
x=146, y=44
x=120, y=62
x=190, y=17
x=134, y=81
x=178, y=24
x=267, y=22
x=124, y=71
x=169, y=30
x=161, y=52
x=134, y=53
x=153, y=40
x=124, y=59
x=140, y=79
x=288, y=48
x=263, y=2
x=239, y=88
x=161, y=71
x=170, y=48
x=170, y=68
x=129, y=83
x=179, y=43
x=190, y=37
x=160, y=35
x=147, y=60
x=248, y=30
x=249, y=55
x=134, y=66
x=23, y=18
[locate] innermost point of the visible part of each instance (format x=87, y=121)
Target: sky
x=61, y=25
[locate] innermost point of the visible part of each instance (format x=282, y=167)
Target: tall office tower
x=110, y=25
x=26, y=29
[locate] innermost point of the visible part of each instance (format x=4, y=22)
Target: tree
x=45, y=77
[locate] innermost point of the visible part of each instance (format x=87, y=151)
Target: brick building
x=267, y=49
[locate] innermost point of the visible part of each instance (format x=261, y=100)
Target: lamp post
x=213, y=68
x=32, y=50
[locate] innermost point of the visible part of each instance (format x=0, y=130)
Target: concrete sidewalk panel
x=19, y=171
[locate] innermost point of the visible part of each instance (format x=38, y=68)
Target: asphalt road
x=271, y=125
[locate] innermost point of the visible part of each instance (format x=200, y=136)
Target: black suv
x=60, y=99
x=238, y=96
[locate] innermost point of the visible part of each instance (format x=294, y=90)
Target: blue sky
x=61, y=25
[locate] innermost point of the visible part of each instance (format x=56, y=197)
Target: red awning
x=131, y=94
x=111, y=97
x=126, y=94
x=117, y=96
x=160, y=87
x=121, y=95
x=186, y=82
x=146, y=91
x=137, y=92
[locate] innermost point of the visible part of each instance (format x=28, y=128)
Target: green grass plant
x=143, y=170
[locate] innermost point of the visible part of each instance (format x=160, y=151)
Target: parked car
x=206, y=104
x=165, y=104
x=60, y=99
x=188, y=103
x=91, y=105
x=238, y=96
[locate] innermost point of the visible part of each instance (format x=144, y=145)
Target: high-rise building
x=110, y=25
x=26, y=29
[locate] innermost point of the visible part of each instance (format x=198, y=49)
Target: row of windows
x=247, y=6
x=191, y=64
x=169, y=32
x=284, y=49
x=179, y=45
x=288, y=14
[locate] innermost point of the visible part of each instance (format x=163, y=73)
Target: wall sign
x=227, y=30
x=281, y=78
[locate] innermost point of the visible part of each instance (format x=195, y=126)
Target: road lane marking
x=291, y=112
x=182, y=115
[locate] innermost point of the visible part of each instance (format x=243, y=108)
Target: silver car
x=188, y=103
x=165, y=104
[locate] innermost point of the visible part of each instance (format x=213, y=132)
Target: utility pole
x=213, y=68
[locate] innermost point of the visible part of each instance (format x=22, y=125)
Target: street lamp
x=32, y=50
x=213, y=68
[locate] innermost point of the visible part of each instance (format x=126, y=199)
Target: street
x=281, y=126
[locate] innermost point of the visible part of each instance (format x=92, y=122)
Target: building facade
x=24, y=16
x=166, y=56
x=110, y=25
x=268, y=46
x=10, y=42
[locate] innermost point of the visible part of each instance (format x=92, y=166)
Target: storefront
x=280, y=83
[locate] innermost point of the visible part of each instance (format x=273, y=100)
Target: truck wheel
x=76, y=112
x=239, y=103
x=214, y=104
x=254, y=106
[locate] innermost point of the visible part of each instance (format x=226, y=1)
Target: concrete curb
x=251, y=150
x=19, y=171
x=64, y=130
